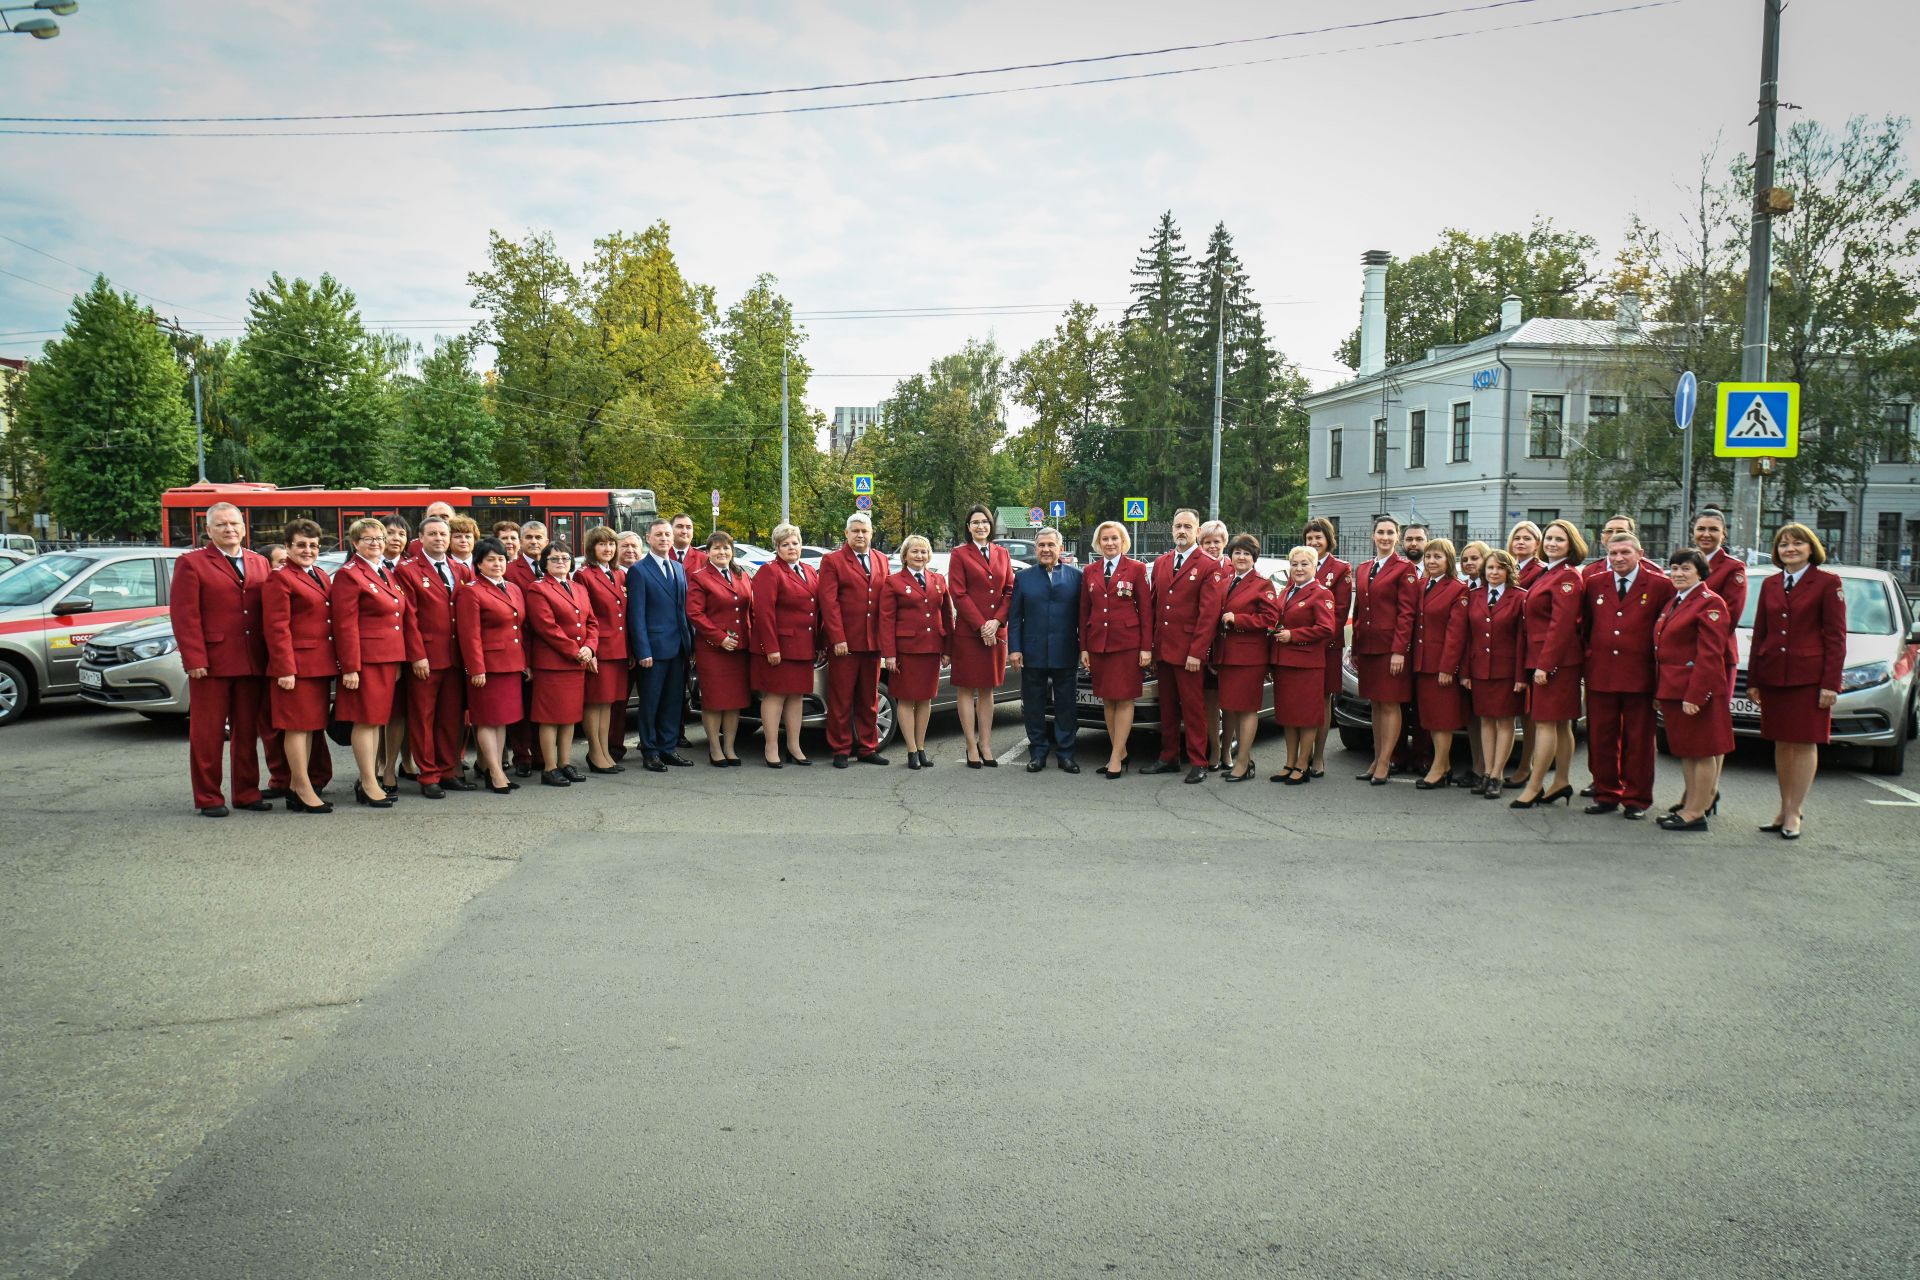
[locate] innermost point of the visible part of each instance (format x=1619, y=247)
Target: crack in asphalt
x=277, y=1011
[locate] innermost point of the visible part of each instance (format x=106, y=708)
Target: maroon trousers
x=436, y=708
x=853, y=704
x=214, y=703
x=1620, y=747
x=273, y=743
x=1183, y=713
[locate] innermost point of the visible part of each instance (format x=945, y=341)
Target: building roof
x=1538, y=332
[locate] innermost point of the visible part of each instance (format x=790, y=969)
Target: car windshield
x=1870, y=610
x=32, y=583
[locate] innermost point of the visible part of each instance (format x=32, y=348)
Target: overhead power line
x=842, y=106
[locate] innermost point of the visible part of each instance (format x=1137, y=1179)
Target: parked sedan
x=135, y=667
x=54, y=604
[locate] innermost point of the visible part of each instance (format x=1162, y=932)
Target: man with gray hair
x=215, y=605
x=1043, y=643
x=853, y=580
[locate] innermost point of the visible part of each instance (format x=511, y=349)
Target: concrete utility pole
x=1219, y=391
x=199, y=435
x=1753, y=351
x=786, y=514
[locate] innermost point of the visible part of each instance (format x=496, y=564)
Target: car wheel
x=1891, y=762
x=887, y=720
x=16, y=693
x=1353, y=739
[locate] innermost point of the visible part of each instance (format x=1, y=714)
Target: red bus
x=567, y=513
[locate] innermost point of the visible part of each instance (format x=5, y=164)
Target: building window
x=1543, y=516
x=1546, y=425
x=1333, y=453
x=1417, y=438
x=1656, y=533
x=1897, y=444
x=1886, y=546
x=1379, y=461
x=1603, y=425
x=1462, y=431
x=1833, y=532
x=1461, y=533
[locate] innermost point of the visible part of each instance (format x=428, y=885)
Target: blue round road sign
x=863, y=501
x=1686, y=396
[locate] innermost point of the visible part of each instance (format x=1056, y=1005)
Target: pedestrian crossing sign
x=1758, y=420
x=1136, y=509
x=863, y=484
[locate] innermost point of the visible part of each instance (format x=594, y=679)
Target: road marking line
x=1908, y=799
x=1018, y=750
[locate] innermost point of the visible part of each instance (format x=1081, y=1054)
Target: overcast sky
x=1027, y=198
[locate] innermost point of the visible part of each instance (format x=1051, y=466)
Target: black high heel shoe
x=1524, y=804
x=926, y=761
x=913, y=759
x=507, y=790
x=296, y=805
x=1421, y=784
x=360, y=796
x=1564, y=793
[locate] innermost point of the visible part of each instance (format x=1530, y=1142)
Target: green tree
x=1068, y=381
x=446, y=433
x=21, y=461
x=737, y=421
x=549, y=383
x=1157, y=335
x=933, y=449
x=309, y=385
x=103, y=407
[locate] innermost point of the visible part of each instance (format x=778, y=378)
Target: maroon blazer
x=1116, y=616
x=521, y=573
x=1440, y=627
x=1528, y=572
x=982, y=589
x=850, y=599
x=1385, y=599
x=1309, y=618
x=1496, y=635
x=1336, y=575
x=433, y=608
x=1255, y=607
x=1690, y=648
x=607, y=596
x=786, y=612
x=560, y=623
x=1186, y=606
x=1620, y=632
x=914, y=619
x=373, y=619
x=1799, y=636
x=718, y=606
x=1594, y=568
x=1727, y=578
x=216, y=615
x=492, y=628
x=298, y=614
x=1554, y=605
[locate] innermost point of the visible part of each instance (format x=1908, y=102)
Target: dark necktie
x=1620, y=586
x=446, y=579
x=1113, y=570
x=315, y=575
x=1179, y=561
x=1236, y=582
x=1493, y=598
x=1786, y=584
x=382, y=571
x=799, y=571
x=239, y=566
x=1430, y=582
x=863, y=565
x=920, y=578
x=986, y=552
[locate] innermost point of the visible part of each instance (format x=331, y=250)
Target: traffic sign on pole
x=1135, y=509
x=863, y=484
x=1035, y=515
x=1057, y=509
x=1685, y=397
x=1758, y=420
x=863, y=501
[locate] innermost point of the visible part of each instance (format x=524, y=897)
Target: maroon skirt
x=373, y=702
x=1243, y=686
x=608, y=684
x=724, y=682
x=1793, y=714
x=1331, y=684
x=1557, y=699
x=498, y=702
x=1441, y=706
x=978, y=666
x=1693, y=737
x=303, y=708
x=915, y=678
x=794, y=676
x=1298, y=698
x=559, y=697
x=1117, y=676
x=1495, y=698
x=1377, y=681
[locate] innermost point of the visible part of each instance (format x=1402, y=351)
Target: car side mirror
x=72, y=604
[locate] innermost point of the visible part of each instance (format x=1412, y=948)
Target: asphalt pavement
x=881, y=1023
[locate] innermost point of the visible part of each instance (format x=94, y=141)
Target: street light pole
x=786, y=515
x=1219, y=388
x=1753, y=350
x=199, y=434
x=38, y=28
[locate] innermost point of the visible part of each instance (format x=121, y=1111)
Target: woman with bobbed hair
x=1249, y=611
x=605, y=585
x=1689, y=654
x=1212, y=539
x=1116, y=635
x=297, y=616
x=1297, y=655
x=1336, y=575
x=720, y=607
x=492, y=623
x=564, y=634
x=915, y=621
x=1473, y=558
x=1555, y=656
x=1439, y=654
x=374, y=635
x=1794, y=669
x=1386, y=599
x=980, y=577
x=786, y=641
x=1495, y=671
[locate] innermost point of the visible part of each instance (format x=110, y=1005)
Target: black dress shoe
x=296, y=805
x=683, y=742
x=460, y=784
x=254, y=806
x=925, y=763
x=677, y=760
x=614, y=768
x=1160, y=766
x=1602, y=806
x=841, y=762
x=872, y=757
x=1633, y=813
x=986, y=763
x=653, y=764
x=802, y=761
x=1196, y=774
x=360, y=796
x=553, y=778
x=573, y=774
x=274, y=793
x=523, y=771
x=1068, y=766
x=214, y=811
x=913, y=759
x=771, y=764
x=1586, y=792
x=733, y=762
x=433, y=791
x=1238, y=777
x=1421, y=784
x=1037, y=764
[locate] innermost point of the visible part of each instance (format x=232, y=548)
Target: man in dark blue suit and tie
x=661, y=639
x=1043, y=641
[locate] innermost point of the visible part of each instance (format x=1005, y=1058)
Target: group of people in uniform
x=426, y=644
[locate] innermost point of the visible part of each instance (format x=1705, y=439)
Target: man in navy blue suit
x=661, y=639
x=1043, y=641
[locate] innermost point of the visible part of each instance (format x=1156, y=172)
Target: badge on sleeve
x=1566, y=586
x=1713, y=615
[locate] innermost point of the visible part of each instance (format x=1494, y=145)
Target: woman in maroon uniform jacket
x=1523, y=544
x=1249, y=612
x=564, y=635
x=1555, y=655
x=1116, y=635
x=720, y=607
x=1386, y=595
x=491, y=616
x=606, y=588
x=1496, y=666
x=914, y=624
x=1689, y=649
x=1336, y=575
x=1793, y=669
x=1297, y=658
x=1439, y=652
x=980, y=576
x=374, y=633
x=786, y=640
x=297, y=607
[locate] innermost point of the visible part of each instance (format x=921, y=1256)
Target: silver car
x=51, y=606
x=135, y=667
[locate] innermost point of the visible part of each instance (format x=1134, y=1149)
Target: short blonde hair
x=783, y=531
x=363, y=525
x=1445, y=547
x=1476, y=546
x=464, y=524
x=1526, y=526
x=911, y=541
x=1214, y=526
x=1126, y=539
x=1303, y=550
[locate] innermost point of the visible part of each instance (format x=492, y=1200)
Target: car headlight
x=150, y=649
x=1865, y=677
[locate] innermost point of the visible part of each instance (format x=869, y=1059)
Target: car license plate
x=89, y=679
x=1087, y=698
x=1744, y=707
